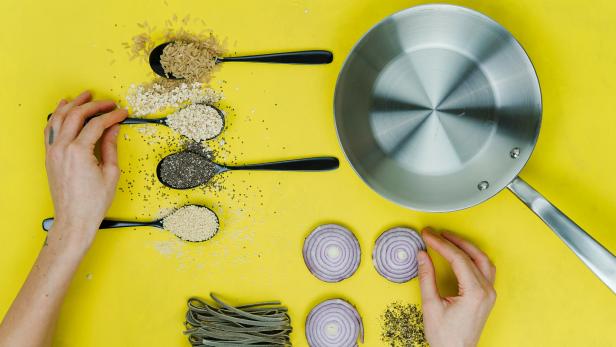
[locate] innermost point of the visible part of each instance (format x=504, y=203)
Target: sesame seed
x=192, y=223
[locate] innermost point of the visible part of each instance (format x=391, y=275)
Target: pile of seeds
x=193, y=60
x=185, y=170
x=146, y=99
x=220, y=324
x=192, y=223
x=402, y=326
x=198, y=122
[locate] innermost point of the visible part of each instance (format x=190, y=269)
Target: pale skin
x=83, y=185
x=456, y=321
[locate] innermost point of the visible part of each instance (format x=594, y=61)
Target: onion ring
x=334, y=323
x=395, y=254
x=331, y=253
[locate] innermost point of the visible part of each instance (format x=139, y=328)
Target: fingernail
x=115, y=130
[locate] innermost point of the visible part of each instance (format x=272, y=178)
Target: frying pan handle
x=592, y=253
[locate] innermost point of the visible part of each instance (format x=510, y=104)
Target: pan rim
x=514, y=173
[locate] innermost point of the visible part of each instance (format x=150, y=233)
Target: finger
x=109, y=154
x=60, y=104
x=74, y=120
x=462, y=266
x=479, y=258
x=427, y=279
x=57, y=118
x=93, y=131
x=49, y=130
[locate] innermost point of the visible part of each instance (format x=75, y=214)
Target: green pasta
x=223, y=325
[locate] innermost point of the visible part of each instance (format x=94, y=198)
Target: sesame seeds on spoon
x=191, y=223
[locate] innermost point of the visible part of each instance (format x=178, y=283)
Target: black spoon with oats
x=185, y=170
x=312, y=57
x=185, y=115
x=191, y=223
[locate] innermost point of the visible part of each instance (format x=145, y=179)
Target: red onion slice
x=334, y=323
x=331, y=253
x=395, y=254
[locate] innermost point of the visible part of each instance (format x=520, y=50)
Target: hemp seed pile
x=198, y=122
x=192, y=223
x=220, y=324
x=402, y=326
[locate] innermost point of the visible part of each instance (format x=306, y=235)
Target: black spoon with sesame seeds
x=313, y=57
x=159, y=223
x=186, y=169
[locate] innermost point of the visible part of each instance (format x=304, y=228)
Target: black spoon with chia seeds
x=112, y=224
x=300, y=57
x=185, y=170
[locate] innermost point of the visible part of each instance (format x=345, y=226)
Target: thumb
x=427, y=279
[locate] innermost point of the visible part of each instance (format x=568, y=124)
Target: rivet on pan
x=483, y=185
x=515, y=153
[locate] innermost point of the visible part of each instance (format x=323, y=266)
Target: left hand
x=82, y=187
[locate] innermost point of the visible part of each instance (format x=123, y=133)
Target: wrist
x=71, y=237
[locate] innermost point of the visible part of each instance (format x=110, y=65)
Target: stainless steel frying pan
x=438, y=108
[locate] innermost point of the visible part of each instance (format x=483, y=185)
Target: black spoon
x=111, y=224
x=162, y=120
x=300, y=57
x=307, y=164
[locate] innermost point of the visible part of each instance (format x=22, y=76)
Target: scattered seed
x=152, y=98
x=402, y=326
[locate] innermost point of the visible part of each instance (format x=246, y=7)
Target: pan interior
x=438, y=108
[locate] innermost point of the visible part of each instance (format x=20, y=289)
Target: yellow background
x=131, y=288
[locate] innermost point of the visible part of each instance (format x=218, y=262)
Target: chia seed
x=186, y=169
x=402, y=326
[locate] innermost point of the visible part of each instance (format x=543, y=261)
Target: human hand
x=458, y=320
x=82, y=187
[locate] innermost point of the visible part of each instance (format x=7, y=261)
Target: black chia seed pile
x=402, y=326
x=187, y=169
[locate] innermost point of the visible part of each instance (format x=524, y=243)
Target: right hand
x=82, y=187
x=458, y=320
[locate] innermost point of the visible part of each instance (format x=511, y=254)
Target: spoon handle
x=308, y=164
x=133, y=120
x=143, y=121
x=300, y=57
x=106, y=224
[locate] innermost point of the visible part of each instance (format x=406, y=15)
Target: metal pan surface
x=438, y=108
